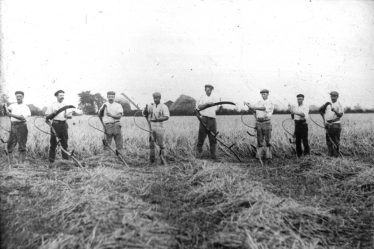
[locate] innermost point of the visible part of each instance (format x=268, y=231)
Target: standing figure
x=264, y=110
x=18, y=112
x=208, y=116
x=60, y=126
x=157, y=113
x=300, y=114
x=332, y=113
x=111, y=113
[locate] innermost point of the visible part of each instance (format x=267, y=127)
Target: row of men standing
x=263, y=111
x=157, y=113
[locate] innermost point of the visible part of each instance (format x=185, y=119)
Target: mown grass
x=313, y=202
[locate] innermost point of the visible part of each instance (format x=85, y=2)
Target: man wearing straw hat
x=333, y=112
x=18, y=112
x=157, y=113
x=264, y=110
x=111, y=113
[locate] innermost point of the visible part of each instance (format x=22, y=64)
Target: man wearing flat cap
x=18, y=112
x=60, y=125
x=333, y=112
x=264, y=110
x=111, y=113
x=300, y=116
x=157, y=113
x=208, y=116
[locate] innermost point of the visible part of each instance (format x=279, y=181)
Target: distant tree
x=357, y=108
x=90, y=103
x=35, y=111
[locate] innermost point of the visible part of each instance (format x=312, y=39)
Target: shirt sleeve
x=49, y=110
x=26, y=113
x=119, y=109
x=341, y=109
x=10, y=107
x=305, y=111
x=269, y=108
x=166, y=111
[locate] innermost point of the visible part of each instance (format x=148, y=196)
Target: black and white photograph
x=187, y=124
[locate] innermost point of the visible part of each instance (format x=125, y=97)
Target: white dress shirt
x=56, y=106
x=211, y=111
x=19, y=110
x=112, y=108
x=303, y=109
x=269, y=108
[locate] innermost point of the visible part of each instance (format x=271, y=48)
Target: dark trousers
x=301, y=135
x=333, y=132
x=18, y=135
x=61, y=129
x=211, y=124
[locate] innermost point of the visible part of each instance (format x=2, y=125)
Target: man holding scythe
x=332, y=113
x=264, y=110
x=59, y=127
x=110, y=113
x=208, y=116
x=157, y=113
x=18, y=112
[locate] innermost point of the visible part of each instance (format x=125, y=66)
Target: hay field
x=312, y=202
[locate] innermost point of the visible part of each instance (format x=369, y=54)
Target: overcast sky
x=175, y=47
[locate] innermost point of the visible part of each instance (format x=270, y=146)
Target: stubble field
x=312, y=202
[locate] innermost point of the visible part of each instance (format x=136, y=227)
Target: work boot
x=22, y=157
x=213, y=152
x=268, y=154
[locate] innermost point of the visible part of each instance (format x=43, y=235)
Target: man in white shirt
x=300, y=114
x=264, y=110
x=18, y=112
x=208, y=116
x=111, y=113
x=60, y=126
x=157, y=113
x=333, y=112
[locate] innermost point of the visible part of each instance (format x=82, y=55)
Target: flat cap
x=300, y=95
x=264, y=91
x=209, y=85
x=19, y=92
x=156, y=94
x=334, y=93
x=58, y=92
x=111, y=93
